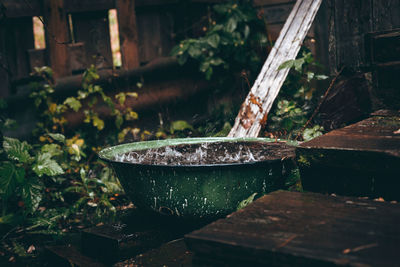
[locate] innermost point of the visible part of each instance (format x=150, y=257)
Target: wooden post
x=128, y=33
x=254, y=111
x=57, y=36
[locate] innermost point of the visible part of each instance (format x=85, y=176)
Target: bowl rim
x=108, y=153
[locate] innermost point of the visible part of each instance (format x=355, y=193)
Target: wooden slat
x=302, y=229
x=77, y=57
x=128, y=34
x=154, y=28
x=259, y=101
x=258, y=3
x=359, y=160
x=57, y=37
x=37, y=58
x=277, y=14
x=22, y=8
x=74, y=6
x=386, y=14
x=92, y=29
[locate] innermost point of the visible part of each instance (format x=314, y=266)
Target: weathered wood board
x=254, y=111
x=302, y=229
x=362, y=159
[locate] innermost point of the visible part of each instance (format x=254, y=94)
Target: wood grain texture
x=358, y=160
x=303, y=229
x=248, y=123
x=57, y=37
x=92, y=29
x=128, y=34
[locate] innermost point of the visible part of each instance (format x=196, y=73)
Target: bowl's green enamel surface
x=193, y=191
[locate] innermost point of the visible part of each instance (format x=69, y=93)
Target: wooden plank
x=57, y=37
x=353, y=21
x=77, y=57
x=128, y=34
x=277, y=14
x=18, y=39
x=74, y=6
x=259, y=3
x=37, y=58
x=359, y=160
x=92, y=29
x=173, y=253
x=259, y=101
x=386, y=14
x=302, y=229
x=383, y=47
x=22, y=8
x=154, y=33
x=65, y=256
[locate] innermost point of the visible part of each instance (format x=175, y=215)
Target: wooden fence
x=77, y=33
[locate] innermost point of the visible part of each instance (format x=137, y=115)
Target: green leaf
x=209, y=73
x=246, y=31
x=73, y=103
x=183, y=58
x=16, y=150
x=298, y=64
x=180, y=126
x=119, y=120
x=321, y=77
x=57, y=137
x=98, y=123
x=286, y=64
x=213, y=40
x=246, y=202
x=121, y=97
x=232, y=24
x=52, y=149
x=8, y=181
x=32, y=194
x=45, y=165
x=194, y=51
x=311, y=133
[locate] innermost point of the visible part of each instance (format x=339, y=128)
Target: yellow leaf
x=53, y=108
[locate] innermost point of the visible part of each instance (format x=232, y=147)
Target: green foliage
x=230, y=42
x=20, y=175
x=246, y=201
x=311, y=133
x=296, y=100
x=59, y=179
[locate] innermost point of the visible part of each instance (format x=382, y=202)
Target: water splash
x=200, y=154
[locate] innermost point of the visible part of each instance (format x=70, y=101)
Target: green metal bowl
x=196, y=191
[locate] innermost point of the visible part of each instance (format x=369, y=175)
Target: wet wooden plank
x=154, y=33
x=57, y=37
x=22, y=8
x=128, y=34
x=173, y=253
x=66, y=256
x=18, y=39
x=73, y=6
x=92, y=29
x=361, y=159
x=302, y=229
x=383, y=47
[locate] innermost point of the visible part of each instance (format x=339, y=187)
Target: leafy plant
x=231, y=40
x=296, y=100
x=21, y=176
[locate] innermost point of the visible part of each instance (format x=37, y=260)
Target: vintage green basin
x=198, y=190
